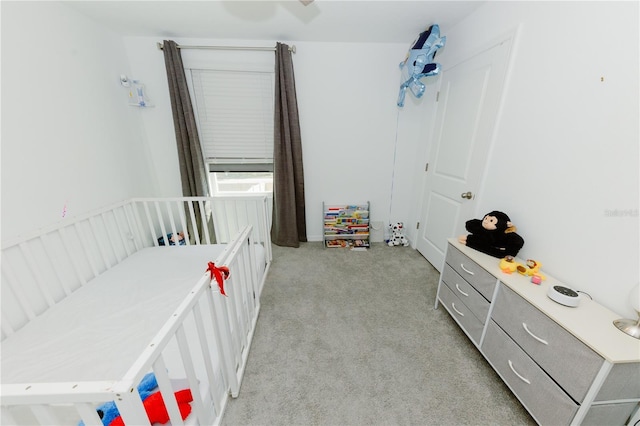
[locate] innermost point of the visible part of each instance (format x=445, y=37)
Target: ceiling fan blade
x=306, y=2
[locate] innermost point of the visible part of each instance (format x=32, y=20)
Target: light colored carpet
x=352, y=338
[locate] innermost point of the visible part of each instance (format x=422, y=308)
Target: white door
x=466, y=113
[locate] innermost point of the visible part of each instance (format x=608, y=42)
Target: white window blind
x=235, y=115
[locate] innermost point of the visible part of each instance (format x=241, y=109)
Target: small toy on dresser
x=531, y=268
x=494, y=235
x=397, y=235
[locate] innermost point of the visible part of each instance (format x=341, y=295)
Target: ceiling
x=379, y=21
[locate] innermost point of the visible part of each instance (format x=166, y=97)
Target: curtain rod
x=292, y=48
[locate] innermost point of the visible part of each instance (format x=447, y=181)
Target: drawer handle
x=516, y=373
x=453, y=305
x=461, y=292
x=533, y=335
x=466, y=270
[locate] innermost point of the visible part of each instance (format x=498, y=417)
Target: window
x=234, y=112
x=241, y=183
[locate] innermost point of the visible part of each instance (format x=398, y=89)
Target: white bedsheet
x=99, y=331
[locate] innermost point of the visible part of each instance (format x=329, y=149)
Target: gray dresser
x=565, y=365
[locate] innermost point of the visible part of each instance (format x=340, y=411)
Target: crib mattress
x=101, y=329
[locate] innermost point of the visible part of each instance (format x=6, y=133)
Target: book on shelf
x=337, y=243
x=360, y=245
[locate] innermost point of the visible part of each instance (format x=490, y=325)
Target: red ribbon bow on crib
x=220, y=273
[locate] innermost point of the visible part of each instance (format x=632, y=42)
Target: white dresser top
x=590, y=322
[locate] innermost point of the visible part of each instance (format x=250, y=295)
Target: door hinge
x=418, y=225
x=426, y=168
x=437, y=96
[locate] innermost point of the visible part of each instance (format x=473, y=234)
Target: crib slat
x=203, y=217
x=165, y=387
x=180, y=210
x=17, y=291
x=238, y=319
x=122, y=234
x=152, y=231
x=6, y=326
x=45, y=415
x=65, y=244
x=130, y=407
x=194, y=226
x=189, y=369
x=35, y=270
x=7, y=416
x=99, y=244
x=225, y=360
x=242, y=280
x=160, y=370
x=237, y=336
x=221, y=218
x=172, y=222
x=255, y=279
x=209, y=206
x=206, y=353
x=163, y=231
x=162, y=376
x=88, y=414
x=46, y=243
x=221, y=315
x=130, y=210
x=253, y=273
x=110, y=237
x=246, y=279
x=85, y=248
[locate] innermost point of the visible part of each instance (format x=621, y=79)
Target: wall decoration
x=419, y=62
x=137, y=92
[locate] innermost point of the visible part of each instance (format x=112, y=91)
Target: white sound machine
x=564, y=296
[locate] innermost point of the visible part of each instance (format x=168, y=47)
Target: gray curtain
x=289, y=226
x=193, y=171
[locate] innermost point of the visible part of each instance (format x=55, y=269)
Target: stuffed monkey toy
x=494, y=235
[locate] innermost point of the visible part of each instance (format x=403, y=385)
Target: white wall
x=566, y=150
x=69, y=140
x=565, y=153
x=349, y=119
x=349, y=122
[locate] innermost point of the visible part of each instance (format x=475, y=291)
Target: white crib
x=91, y=305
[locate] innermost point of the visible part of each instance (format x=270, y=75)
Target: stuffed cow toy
x=397, y=235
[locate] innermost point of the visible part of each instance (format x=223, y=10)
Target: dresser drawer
x=623, y=382
x=546, y=402
x=570, y=362
x=483, y=281
x=461, y=312
x=609, y=414
x=465, y=292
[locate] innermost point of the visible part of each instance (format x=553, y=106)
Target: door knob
x=467, y=195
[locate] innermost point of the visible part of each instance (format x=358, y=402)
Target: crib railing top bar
x=85, y=216
x=213, y=197
x=62, y=224
x=56, y=393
